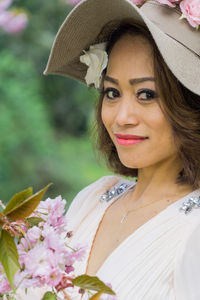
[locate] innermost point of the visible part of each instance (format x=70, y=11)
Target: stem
x=74, y=250
x=66, y=295
x=28, y=242
x=45, y=212
x=21, y=282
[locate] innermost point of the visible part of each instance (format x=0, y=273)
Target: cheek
x=156, y=121
x=159, y=128
x=163, y=135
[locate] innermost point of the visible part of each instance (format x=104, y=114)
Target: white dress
x=158, y=261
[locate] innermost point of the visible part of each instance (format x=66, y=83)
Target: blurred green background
x=45, y=121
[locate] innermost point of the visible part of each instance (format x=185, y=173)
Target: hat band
x=167, y=19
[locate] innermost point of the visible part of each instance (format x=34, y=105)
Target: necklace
x=119, y=189
x=125, y=215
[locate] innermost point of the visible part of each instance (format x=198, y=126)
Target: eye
x=111, y=93
x=146, y=95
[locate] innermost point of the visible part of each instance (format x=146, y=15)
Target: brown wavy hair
x=180, y=106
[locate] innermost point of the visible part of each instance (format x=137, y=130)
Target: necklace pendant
x=123, y=218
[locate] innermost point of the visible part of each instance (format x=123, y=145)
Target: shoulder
x=187, y=263
x=91, y=193
x=88, y=198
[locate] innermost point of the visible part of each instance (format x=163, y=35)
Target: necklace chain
x=120, y=189
x=124, y=217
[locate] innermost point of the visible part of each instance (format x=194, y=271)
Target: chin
x=131, y=165
x=133, y=159
x=134, y=163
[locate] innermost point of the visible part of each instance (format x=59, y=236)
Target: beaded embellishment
x=193, y=202
x=114, y=192
x=187, y=206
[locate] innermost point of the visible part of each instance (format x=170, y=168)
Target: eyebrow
x=131, y=81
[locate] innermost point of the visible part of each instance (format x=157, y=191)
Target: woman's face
x=130, y=106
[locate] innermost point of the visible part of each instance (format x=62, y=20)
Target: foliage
x=86, y=282
x=68, y=101
x=82, y=167
x=35, y=256
x=8, y=256
x=27, y=147
x=43, y=119
x=19, y=207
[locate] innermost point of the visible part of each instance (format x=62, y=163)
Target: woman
x=141, y=237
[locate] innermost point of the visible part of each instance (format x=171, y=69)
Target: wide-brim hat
x=178, y=42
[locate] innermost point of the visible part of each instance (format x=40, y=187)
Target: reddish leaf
x=17, y=199
x=24, y=209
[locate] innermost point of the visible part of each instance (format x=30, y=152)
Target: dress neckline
x=131, y=184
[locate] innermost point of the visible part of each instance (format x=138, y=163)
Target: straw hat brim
x=83, y=25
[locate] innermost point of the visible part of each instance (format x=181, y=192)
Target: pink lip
x=129, y=139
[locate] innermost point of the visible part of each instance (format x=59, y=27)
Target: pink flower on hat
x=138, y=2
x=171, y=3
x=191, y=11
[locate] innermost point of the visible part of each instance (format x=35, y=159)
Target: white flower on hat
x=96, y=58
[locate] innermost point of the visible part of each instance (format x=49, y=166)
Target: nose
x=128, y=112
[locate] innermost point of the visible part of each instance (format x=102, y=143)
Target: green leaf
x=34, y=221
x=49, y=296
x=9, y=256
x=17, y=199
x=24, y=209
x=92, y=283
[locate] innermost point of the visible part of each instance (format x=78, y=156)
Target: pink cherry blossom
x=57, y=245
x=69, y=259
x=33, y=234
x=52, y=211
x=4, y=4
x=57, y=204
x=13, y=21
x=53, y=277
x=4, y=284
x=31, y=282
x=77, y=255
x=44, y=256
x=80, y=252
x=138, y=2
x=23, y=279
x=69, y=269
x=191, y=11
x=171, y=3
x=23, y=246
x=37, y=261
